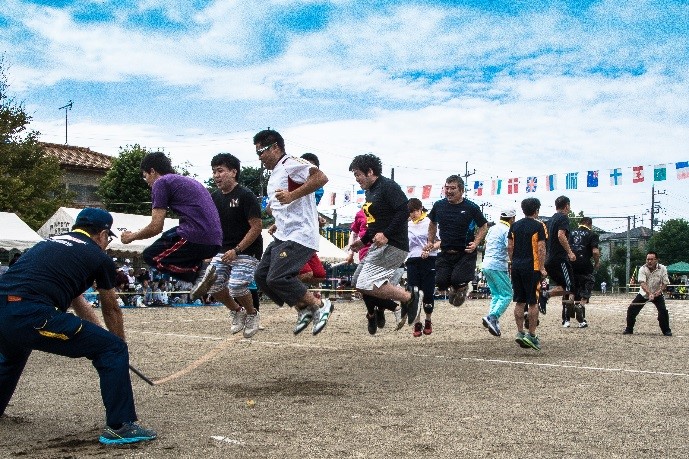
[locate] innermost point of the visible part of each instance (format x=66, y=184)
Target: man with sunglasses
x=290, y=197
x=34, y=297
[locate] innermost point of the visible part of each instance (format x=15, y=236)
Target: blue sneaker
x=130, y=432
x=519, y=338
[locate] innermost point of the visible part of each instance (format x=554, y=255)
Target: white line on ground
x=179, y=335
x=227, y=440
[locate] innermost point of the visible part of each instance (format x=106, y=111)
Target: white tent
x=327, y=251
x=15, y=234
x=62, y=221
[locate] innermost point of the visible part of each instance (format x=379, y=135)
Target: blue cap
x=95, y=218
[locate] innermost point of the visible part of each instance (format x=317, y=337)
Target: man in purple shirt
x=181, y=250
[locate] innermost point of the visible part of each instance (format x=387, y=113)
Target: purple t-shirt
x=198, y=217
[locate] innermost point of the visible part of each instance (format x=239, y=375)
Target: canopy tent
x=681, y=267
x=327, y=251
x=62, y=221
x=15, y=234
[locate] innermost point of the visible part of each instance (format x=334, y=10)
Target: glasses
x=260, y=151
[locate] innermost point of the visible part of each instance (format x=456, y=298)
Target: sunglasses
x=260, y=151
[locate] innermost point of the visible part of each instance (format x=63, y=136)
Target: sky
x=497, y=89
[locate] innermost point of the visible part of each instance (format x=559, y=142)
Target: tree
x=123, y=188
x=670, y=242
x=30, y=181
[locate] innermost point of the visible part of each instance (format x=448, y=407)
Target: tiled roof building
x=82, y=170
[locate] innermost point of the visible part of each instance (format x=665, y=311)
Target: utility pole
x=66, y=107
x=467, y=174
x=655, y=206
x=392, y=174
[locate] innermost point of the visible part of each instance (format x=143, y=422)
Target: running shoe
x=628, y=331
x=460, y=295
x=251, y=324
x=372, y=323
x=238, y=320
x=427, y=327
x=380, y=317
x=399, y=318
x=413, y=306
x=451, y=294
x=565, y=324
x=667, y=333
x=583, y=324
x=491, y=324
x=532, y=341
x=418, y=330
x=519, y=338
x=203, y=283
x=322, y=316
x=130, y=432
x=304, y=318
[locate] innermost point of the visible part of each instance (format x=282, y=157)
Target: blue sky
x=514, y=88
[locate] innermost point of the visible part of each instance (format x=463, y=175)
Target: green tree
x=30, y=181
x=123, y=188
x=670, y=242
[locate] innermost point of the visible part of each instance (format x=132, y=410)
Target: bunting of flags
x=535, y=183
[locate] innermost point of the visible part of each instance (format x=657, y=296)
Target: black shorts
x=560, y=272
x=583, y=285
x=525, y=285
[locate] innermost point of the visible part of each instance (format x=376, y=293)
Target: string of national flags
x=577, y=180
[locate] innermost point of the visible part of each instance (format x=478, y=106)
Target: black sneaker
x=413, y=306
x=667, y=333
x=380, y=317
x=130, y=432
x=460, y=295
x=372, y=324
x=628, y=331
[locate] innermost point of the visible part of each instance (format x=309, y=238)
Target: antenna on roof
x=66, y=107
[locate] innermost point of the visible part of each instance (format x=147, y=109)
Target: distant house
x=82, y=171
x=638, y=237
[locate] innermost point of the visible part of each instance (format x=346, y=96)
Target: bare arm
x=84, y=310
x=112, y=314
x=153, y=228
x=432, y=231
x=562, y=237
x=480, y=234
x=316, y=180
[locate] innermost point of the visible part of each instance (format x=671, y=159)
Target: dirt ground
x=345, y=394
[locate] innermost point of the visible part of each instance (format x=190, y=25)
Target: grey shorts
x=379, y=266
x=235, y=276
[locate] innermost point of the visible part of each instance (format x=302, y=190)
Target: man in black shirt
x=242, y=244
x=34, y=297
x=462, y=227
x=386, y=214
x=584, y=243
x=558, y=260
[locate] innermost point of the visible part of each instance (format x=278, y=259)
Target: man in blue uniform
x=34, y=297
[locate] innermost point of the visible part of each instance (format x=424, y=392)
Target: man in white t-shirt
x=290, y=188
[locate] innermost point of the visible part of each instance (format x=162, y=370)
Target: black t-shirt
x=58, y=270
x=386, y=212
x=583, y=241
x=456, y=222
x=235, y=209
x=554, y=249
x=526, y=233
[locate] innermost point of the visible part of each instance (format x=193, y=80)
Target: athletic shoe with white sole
x=399, y=318
x=251, y=324
x=203, y=283
x=322, y=316
x=238, y=319
x=130, y=432
x=491, y=323
x=304, y=318
x=565, y=324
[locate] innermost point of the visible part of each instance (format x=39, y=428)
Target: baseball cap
x=508, y=212
x=95, y=218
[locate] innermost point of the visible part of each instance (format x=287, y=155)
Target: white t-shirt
x=496, y=257
x=418, y=238
x=298, y=220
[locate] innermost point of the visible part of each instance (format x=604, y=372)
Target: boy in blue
x=34, y=297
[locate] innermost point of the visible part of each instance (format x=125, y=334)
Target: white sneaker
x=399, y=320
x=322, y=315
x=251, y=325
x=583, y=324
x=203, y=283
x=304, y=318
x=238, y=319
x=566, y=324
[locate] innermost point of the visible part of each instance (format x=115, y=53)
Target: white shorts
x=379, y=266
